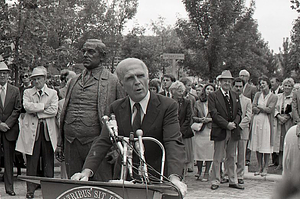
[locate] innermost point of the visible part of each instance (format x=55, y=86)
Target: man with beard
x=87, y=98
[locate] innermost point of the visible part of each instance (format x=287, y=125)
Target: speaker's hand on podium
x=179, y=184
x=83, y=176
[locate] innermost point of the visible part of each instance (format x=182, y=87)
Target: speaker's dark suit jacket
x=9, y=114
x=220, y=117
x=160, y=122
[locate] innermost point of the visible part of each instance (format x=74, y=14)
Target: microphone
x=143, y=165
x=129, y=152
x=112, y=133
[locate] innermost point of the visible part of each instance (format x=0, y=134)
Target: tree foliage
x=51, y=33
x=151, y=48
x=222, y=35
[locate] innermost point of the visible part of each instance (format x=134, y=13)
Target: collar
x=276, y=90
x=94, y=72
x=143, y=103
x=44, y=89
x=245, y=86
x=5, y=86
x=224, y=91
x=289, y=96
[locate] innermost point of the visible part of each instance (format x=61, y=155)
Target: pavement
x=256, y=187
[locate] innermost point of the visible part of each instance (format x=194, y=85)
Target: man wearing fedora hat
x=225, y=109
x=10, y=108
x=40, y=137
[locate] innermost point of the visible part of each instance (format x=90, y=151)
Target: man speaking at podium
x=155, y=114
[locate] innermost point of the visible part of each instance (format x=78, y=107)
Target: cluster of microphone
x=126, y=146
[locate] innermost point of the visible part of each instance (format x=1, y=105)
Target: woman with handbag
x=203, y=146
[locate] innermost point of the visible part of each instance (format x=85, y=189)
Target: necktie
x=40, y=92
x=137, y=123
x=227, y=96
x=87, y=76
x=2, y=95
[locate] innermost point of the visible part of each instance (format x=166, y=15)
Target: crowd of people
x=213, y=126
x=232, y=118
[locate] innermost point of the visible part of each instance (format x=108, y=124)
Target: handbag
x=196, y=126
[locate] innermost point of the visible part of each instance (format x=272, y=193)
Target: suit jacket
x=108, y=91
x=185, y=118
x=9, y=114
x=160, y=122
x=249, y=91
x=246, y=116
x=218, y=111
x=28, y=125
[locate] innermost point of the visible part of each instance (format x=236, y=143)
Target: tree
x=50, y=33
x=292, y=50
x=151, y=48
x=222, y=35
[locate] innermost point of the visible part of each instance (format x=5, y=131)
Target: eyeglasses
x=25, y=76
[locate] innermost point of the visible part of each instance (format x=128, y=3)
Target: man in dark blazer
x=225, y=109
x=168, y=80
x=159, y=119
x=275, y=85
x=10, y=108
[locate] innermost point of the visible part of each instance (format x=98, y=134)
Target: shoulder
x=106, y=74
x=118, y=102
x=273, y=96
x=253, y=87
x=213, y=94
x=257, y=94
x=162, y=93
x=246, y=99
x=12, y=87
x=50, y=90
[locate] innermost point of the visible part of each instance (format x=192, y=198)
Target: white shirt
x=144, y=105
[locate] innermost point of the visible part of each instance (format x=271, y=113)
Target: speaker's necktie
x=137, y=122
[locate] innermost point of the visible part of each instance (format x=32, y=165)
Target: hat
x=3, y=67
x=226, y=74
x=39, y=71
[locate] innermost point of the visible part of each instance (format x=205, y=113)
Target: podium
x=71, y=189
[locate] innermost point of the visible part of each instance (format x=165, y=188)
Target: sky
x=274, y=17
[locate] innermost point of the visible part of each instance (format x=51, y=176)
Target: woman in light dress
x=203, y=146
x=262, y=137
x=283, y=114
